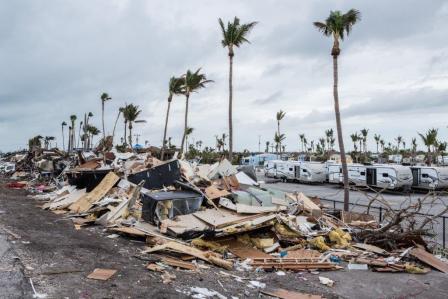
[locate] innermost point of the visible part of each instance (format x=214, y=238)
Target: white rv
x=310, y=172
x=428, y=177
x=356, y=174
x=279, y=169
x=7, y=167
x=389, y=176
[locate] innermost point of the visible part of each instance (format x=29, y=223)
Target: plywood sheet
x=102, y=274
x=429, y=259
x=85, y=202
x=221, y=217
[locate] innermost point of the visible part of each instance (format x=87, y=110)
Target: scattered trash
x=201, y=293
x=256, y=284
x=326, y=281
x=36, y=294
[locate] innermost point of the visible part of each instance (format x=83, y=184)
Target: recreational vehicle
x=279, y=169
x=310, y=172
x=387, y=176
x=356, y=174
x=428, y=177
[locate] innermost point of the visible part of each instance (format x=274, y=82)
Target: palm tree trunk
x=130, y=134
x=339, y=129
x=187, y=96
x=63, y=139
x=125, y=136
x=230, y=105
x=102, y=118
x=166, y=128
x=115, y=125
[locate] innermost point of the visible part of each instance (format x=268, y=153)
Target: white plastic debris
x=280, y=273
x=201, y=293
x=36, y=294
x=256, y=284
x=352, y=266
x=326, y=281
x=243, y=266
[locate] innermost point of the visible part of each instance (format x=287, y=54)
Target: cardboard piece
x=212, y=192
x=285, y=294
x=102, y=274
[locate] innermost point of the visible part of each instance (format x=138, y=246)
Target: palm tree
x=382, y=144
x=72, y=137
x=63, y=124
x=120, y=111
x=377, y=140
x=278, y=138
x=192, y=81
x=329, y=137
x=302, y=138
x=131, y=113
x=355, y=139
x=79, y=133
x=429, y=139
x=47, y=141
x=364, y=133
x=279, y=116
x=234, y=35
x=399, y=139
x=337, y=25
x=267, y=146
x=174, y=88
x=322, y=144
x=91, y=132
x=305, y=142
x=188, y=132
x=104, y=97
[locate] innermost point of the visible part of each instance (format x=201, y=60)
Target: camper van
x=389, y=176
x=7, y=168
x=310, y=172
x=356, y=174
x=279, y=169
x=428, y=177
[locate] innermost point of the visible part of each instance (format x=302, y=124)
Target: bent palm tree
x=279, y=116
x=192, y=82
x=337, y=25
x=174, y=88
x=234, y=35
x=104, y=97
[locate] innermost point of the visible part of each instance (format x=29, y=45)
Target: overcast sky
x=57, y=57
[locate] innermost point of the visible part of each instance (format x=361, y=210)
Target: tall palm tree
x=175, y=86
x=302, y=137
x=104, y=97
x=382, y=142
x=429, y=139
x=267, y=147
x=188, y=132
x=337, y=25
x=364, y=133
x=399, y=139
x=377, y=138
x=131, y=113
x=234, y=35
x=192, y=82
x=91, y=132
x=278, y=138
x=355, y=139
x=72, y=137
x=279, y=116
x=79, y=133
x=63, y=124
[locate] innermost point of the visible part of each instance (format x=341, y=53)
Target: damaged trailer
x=429, y=178
x=392, y=177
x=310, y=172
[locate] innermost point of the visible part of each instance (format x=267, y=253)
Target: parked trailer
x=356, y=174
x=310, y=172
x=279, y=169
x=389, y=176
x=428, y=177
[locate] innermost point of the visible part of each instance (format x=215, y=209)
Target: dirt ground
x=46, y=248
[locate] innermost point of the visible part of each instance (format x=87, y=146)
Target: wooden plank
x=248, y=253
x=246, y=209
x=178, y=263
x=212, y=192
x=371, y=248
x=178, y=247
x=129, y=231
x=67, y=200
x=102, y=274
x=429, y=259
x=85, y=202
x=221, y=217
x=285, y=294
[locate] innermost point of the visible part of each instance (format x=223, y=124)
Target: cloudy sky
x=57, y=57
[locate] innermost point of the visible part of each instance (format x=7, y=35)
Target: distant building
x=258, y=160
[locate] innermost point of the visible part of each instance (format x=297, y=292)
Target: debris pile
x=191, y=215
